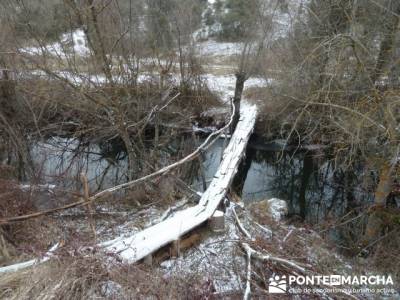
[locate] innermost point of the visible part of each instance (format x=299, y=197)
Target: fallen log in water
x=144, y=243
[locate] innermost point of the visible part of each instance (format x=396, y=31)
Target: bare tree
x=256, y=36
x=336, y=90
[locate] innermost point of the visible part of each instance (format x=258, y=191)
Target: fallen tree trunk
x=210, y=140
x=144, y=243
x=153, y=238
x=29, y=263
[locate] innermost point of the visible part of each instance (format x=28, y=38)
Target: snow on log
x=144, y=243
x=29, y=263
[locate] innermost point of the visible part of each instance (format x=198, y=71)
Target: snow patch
x=225, y=84
x=277, y=208
x=29, y=263
x=223, y=266
x=214, y=48
x=111, y=289
x=40, y=187
x=74, y=43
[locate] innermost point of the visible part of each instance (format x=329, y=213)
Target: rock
x=217, y=221
x=277, y=208
x=273, y=208
x=111, y=289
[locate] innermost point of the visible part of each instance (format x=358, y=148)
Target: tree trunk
x=181, y=59
x=306, y=173
x=240, y=80
x=374, y=225
x=243, y=170
x=387, y=45
x=98, y=46
x=87, y=18
x=9, y=116
x=133, y=161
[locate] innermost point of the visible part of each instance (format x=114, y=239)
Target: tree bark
x=87, y=18
x=244, y=167
x=387, y=44
x=240, y=80
x=133, y=162
x=375, y=224
x=9, y=116
x=306, y=173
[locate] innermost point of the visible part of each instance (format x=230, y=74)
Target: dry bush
x=136, y=196
x=386, y=255
x=304, y=245
x=71, y=277
x=88, y=274
x=21, y=201
x=12, y=203
x=300, y=244
x=198, y=98
x=53, y=107
x=29, y=237
x=163, y=191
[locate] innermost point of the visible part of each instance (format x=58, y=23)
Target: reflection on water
x=311, y=185
x=59, y=162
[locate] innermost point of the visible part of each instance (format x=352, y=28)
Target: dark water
x=308, y=181
x=61, y=161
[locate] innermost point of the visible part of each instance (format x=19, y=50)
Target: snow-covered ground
x=215, y=258
x=213, y=48
x=74, y=43
x=225, y=84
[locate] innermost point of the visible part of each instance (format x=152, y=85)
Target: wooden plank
x=144, y=243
